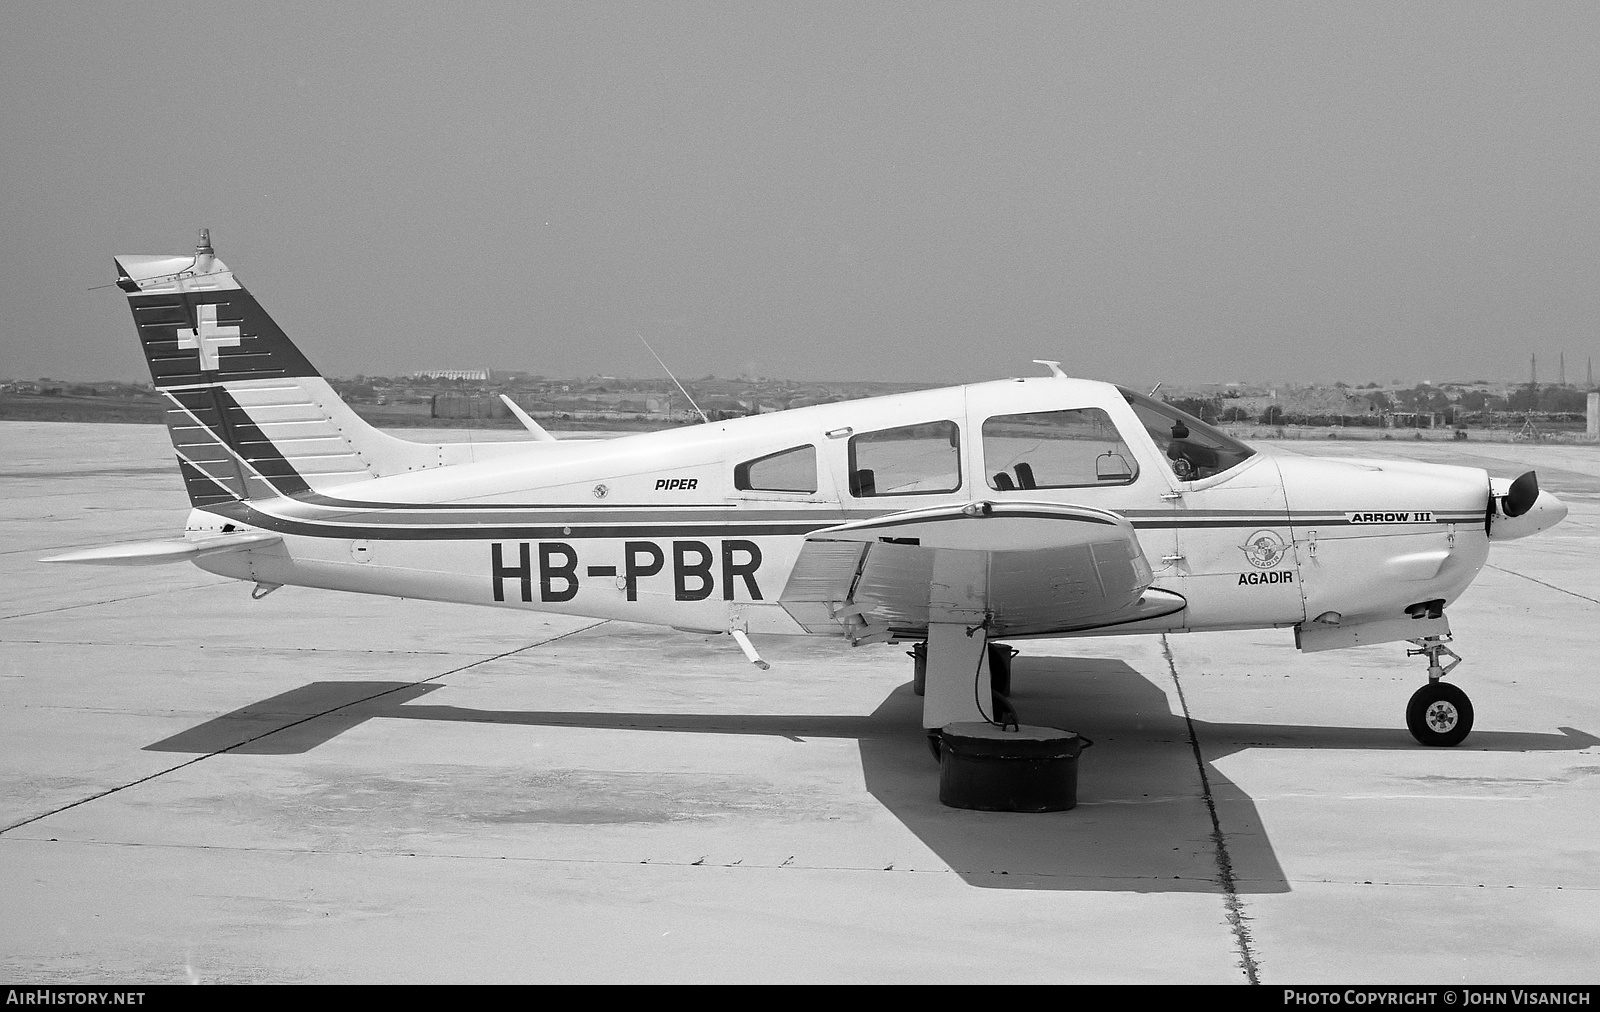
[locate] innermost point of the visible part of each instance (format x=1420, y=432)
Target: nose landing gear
x=1439, y=714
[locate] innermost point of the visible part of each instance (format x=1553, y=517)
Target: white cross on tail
x=210, y=338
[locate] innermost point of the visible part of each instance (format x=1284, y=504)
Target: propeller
x=1520, y=499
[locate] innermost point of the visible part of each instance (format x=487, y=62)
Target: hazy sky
x=820, y=191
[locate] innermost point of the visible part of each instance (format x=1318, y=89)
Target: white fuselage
x=652, y=527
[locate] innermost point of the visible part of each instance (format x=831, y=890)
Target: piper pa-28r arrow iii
x=957, y=519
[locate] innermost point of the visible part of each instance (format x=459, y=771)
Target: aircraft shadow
x=1141, y=825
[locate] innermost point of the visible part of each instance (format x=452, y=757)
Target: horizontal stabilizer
x=154, y=553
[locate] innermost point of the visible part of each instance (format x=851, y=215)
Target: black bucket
x=1020, y=769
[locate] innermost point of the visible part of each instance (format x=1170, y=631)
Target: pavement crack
x=1219, y=840
x=1542, y=583
x=118, y=600
x=280, y=648
x=266, y=734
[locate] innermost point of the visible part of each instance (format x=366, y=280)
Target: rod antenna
x=673, y=378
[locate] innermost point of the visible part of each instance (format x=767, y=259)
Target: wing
x=1023, y=568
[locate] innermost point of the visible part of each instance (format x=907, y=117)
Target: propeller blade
x=1520, y=499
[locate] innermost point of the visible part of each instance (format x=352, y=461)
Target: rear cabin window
x=1055, y=449
x=792, y=470
x=909, y=460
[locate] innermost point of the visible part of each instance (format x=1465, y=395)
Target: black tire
x=1439, y=714
x=919, y=669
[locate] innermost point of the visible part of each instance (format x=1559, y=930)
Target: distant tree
x=1272, y=416
x=1524, y=398
x=1423, y=398
x=1207, y=409
x=1562, y=399
x=1477, y=400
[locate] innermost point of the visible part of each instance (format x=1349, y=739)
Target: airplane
x=959, y=520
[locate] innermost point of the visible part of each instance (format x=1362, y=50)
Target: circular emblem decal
x=601, y=491
x=1264, y=549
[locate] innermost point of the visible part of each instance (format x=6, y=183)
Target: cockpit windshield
x=1194, y=449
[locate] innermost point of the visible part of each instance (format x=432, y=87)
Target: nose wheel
x=1439, y=713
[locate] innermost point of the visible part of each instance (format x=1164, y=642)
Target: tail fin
x=250, y=417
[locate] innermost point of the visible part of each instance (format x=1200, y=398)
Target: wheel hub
x=1442, y=716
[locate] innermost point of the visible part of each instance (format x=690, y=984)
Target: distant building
x=473, y=375
x=465, y=405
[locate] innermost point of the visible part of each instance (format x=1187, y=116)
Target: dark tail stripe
x=263, y=351
x=221, y=418
x=205, y=492
x=205, y=422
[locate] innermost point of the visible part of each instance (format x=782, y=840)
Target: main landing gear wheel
x=919, y=673
x=1439, y=714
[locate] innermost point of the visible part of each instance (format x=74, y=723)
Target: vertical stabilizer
x=250, y=417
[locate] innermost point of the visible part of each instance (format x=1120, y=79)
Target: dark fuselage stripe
x=545, y=528
x=245, y=513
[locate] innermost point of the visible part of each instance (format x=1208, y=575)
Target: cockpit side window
x=792, y=470
x=1055, y=449
x=1194, y=449
x=908, y=460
